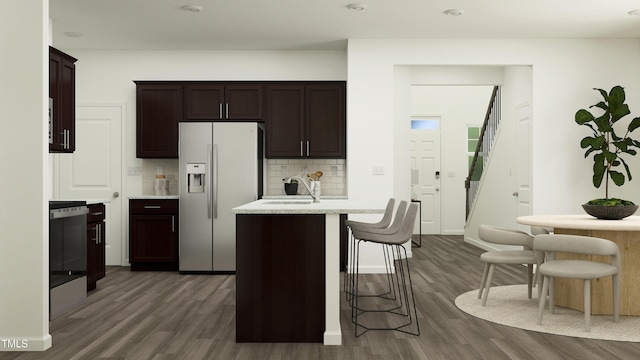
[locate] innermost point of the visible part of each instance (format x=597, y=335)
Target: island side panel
x=280, y=277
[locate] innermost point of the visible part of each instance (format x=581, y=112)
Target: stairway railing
x=485, y=142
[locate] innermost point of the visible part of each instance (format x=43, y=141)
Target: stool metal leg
x=406, y=296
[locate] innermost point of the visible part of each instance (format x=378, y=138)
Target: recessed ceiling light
x=454, y=12
x=72, y=34
x=634, y=12
x=193, y=8
x=357, y=6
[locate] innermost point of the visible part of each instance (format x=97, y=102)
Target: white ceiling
x=326, y=24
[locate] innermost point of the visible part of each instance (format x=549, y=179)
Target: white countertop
x=88, y=201
x=157, y=197
x=582, y=222
x=325, y=206
x=299, y=197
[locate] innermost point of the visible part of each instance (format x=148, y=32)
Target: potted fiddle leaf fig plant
x=609, y=147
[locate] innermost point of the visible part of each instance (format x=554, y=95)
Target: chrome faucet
x=314, y=194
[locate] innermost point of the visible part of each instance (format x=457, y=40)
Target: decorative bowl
x=610, y=212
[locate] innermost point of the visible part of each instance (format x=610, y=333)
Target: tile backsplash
x=334, y=178
x=153, y=167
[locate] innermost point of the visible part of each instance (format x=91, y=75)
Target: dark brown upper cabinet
x=222, y=101
x=62, y=95
x=306, y=120
x=158, y=111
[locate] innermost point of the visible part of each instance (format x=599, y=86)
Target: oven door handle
x=61, y=213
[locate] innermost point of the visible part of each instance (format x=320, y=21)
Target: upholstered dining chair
x=578, y=269
x=502, y=236
x=539, y=230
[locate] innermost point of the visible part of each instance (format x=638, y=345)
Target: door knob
x=515, y=193
x=437, y=189
x=116, y=194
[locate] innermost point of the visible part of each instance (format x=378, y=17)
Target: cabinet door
x=284, y=121
x=153, y=238
x=62, y=79
x=95, y=253
x=203, y=102
x=215, y=101
x=325, y=125
x=243, y=102
x=55, y=64
x=95, y=245
x=68, y=103
x=159, y=109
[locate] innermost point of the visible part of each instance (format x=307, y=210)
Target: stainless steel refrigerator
x=220, y=168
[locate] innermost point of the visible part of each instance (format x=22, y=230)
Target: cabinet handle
x=307, y=147
x=97, y=230
x=173, y=228
x=227, y=110
x=220, y=111
x=301, y=153
x=96, y=213
x=65, y=145
x=152, y=207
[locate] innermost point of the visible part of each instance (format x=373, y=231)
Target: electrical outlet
x=378, y=169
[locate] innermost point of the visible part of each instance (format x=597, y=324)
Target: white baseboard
x=25, y=344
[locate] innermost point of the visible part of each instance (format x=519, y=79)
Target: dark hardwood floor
x=164, y=315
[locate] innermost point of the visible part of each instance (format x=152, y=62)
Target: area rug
x=508, y=305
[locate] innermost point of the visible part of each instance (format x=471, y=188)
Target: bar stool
x=359, y=225
x=406, y=300
x=382, y=227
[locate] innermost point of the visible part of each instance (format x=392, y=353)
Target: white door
x=94, y=170
x=425, y=167
x=523, y=161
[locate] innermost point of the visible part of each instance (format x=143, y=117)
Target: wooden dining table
x=625, y=233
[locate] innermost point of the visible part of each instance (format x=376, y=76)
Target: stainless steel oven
x=67, y=255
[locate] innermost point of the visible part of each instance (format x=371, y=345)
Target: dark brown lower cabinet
x=153, y=234
x=280, y=278
x=95, y=245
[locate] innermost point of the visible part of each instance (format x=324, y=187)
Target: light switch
x=134, y=170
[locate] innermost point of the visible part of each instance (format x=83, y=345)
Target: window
x=425, y=123
x=473, y=136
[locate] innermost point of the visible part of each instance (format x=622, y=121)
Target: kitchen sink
x=287, y=202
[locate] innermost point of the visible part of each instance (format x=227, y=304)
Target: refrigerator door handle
x=215, y=181
x=208, y=181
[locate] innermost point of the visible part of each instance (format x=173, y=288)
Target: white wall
x=563, y=72
x=107, y=76
x=458, y=107
x=500, y=178
x=24, y=223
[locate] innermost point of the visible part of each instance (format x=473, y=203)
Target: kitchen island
x=287, y=275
